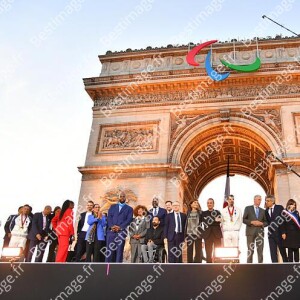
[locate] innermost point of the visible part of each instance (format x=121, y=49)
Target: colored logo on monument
x=211, y=72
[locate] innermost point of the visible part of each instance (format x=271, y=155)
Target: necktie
x=256, y=212
x=155, y=212
x=44, y=222
x=179, y=229
x=271, y=212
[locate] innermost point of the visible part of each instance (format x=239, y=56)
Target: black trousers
x=211, y=242
x=95, y=250
x=175, y=248
x=194, y=245
x=51, y=253
x=41, y=245
x=81, y=245
x=293, y=254
x=274, y=243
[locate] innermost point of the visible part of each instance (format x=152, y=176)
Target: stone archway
x=203, y=147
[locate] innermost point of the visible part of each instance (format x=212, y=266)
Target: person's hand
x=283, y=236
x=38, y=236
x=99, y=216
x=46, y=238
x=118, y=228
x=218, y=218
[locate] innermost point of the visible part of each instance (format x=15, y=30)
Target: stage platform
x=30, y=281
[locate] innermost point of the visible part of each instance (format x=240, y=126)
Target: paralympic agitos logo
x=215, y=74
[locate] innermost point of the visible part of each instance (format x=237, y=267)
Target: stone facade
x=161, y=127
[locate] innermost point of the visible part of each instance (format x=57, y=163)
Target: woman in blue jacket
x=95, y=236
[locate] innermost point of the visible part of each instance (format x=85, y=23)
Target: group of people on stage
x=101, y=237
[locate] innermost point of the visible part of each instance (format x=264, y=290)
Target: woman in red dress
x=64, y=229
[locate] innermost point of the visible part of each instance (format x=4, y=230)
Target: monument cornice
x=132, y=168
x=174, y=96
x=199, y=74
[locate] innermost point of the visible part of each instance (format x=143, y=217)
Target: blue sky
x=45, y=114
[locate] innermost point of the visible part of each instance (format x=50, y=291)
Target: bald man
x=38, y=234
x=118, y=218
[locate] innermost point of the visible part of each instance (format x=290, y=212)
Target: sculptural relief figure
x=128, y=139
x=271, y=118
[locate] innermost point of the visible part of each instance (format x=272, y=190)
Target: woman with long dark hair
x=63, y=225
x=193, y=236
x=291, y=230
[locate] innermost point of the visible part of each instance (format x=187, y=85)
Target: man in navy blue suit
x=174, y=232
x=39, y=234
x=157, y=211
x=275, y=220
x=118, y=218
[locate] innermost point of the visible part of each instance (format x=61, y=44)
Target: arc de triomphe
x=162, y=127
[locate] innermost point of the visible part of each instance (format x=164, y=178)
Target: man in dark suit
x=157, y=211
x=82, y=228
x=212, y=233
x=255, y=219
x=9, y=226
x=174, y=232
x=38, y=234
x=275, y=220
x=118, y=218
x=52, y=240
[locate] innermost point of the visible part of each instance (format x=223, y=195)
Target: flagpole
x=227, y=184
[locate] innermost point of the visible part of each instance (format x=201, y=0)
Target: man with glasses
x=174, y=232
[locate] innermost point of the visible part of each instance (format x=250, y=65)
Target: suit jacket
x=141, y=229
x=101, y=224
x=65, y=225
x=156, y=235
x=162, y=213
x=37, y=226
x=249, y=215
x=274, y=222
x=8, y=227
x=81, y=222
x=210, y=226
x=10, y=223
x=121, y=218
x=170, y=226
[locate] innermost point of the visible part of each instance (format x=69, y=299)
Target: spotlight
x=226, y=255
x=12, y=254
